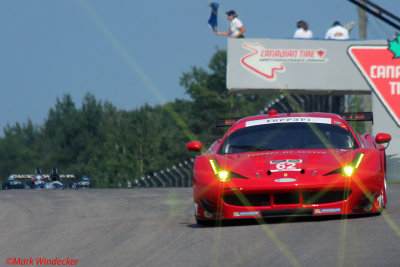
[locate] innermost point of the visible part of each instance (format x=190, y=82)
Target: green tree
x=114, y=146
x=18, y=149
x=211, y=99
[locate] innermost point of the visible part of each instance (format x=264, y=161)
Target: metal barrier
x=179, y=175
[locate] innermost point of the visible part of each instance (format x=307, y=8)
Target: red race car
x=290, y=165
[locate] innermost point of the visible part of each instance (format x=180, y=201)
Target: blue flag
x=212, y=21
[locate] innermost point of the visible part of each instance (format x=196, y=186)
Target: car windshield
x=286, y=136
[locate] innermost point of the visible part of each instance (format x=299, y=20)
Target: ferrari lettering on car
x=302, y=164
x=288, y=120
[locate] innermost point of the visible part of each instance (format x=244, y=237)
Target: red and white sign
x=382, y=72
x=266, y=63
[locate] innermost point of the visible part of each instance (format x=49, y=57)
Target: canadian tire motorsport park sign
x=317, y=66
x=380, y=66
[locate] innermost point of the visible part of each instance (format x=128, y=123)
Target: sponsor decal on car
x=303, y=152
x=285, y=180
x=321, y=211
x=289, y=120
x=285, y=165
x=260, y=154
x=246, y=213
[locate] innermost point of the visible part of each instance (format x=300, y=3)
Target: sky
x=131, y=53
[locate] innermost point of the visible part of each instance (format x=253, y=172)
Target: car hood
x=295, y=162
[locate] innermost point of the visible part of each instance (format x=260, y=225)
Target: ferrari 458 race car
x=289, y=164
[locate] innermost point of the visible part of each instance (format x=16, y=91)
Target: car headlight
x=351, y=168
x=348, y=171
x=222, y=175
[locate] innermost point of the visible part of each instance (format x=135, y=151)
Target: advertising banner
x=380, y=66
x=294, y=65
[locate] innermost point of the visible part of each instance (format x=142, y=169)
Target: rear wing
x=22, y=176
x=358, y=116
x=352, y=116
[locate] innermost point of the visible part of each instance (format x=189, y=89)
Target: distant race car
x=85, y=183
x=44, y=181
x=12, y=184
x=36, y=182
x=290, y=165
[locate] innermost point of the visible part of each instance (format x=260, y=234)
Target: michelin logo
x=321, y=211
x=247, y=213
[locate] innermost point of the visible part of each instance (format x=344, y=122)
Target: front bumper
x=238, y=201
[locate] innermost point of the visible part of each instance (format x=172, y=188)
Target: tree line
x=113, y=146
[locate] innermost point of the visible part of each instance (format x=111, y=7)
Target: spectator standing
x=236, y=29
x=337, y=32
x=302, y=32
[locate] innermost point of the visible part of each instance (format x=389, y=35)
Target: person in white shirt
x=302, y=31
x=236, y=28
x=337, y=32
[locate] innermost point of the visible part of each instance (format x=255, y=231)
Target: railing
x=307, y=103
x=179, y=175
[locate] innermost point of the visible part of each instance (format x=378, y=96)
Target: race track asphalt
x=156, y=227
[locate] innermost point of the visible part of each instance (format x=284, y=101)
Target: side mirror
x=194, y=146
x=383, y=138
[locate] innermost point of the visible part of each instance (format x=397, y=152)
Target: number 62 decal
x=285, y=165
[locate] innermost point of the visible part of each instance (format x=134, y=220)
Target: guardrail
x=179, y=175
